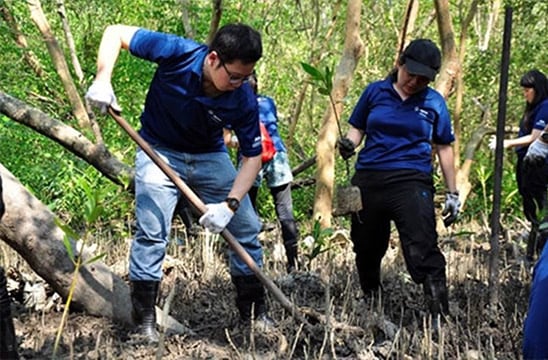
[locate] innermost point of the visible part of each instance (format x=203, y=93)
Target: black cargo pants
x=405, y=197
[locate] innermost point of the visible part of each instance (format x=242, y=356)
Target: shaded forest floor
x=392, y=326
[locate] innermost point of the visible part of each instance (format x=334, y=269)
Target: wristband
x=233, y=203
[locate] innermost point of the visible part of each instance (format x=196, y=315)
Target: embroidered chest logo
x=424, y=114
x=215, y=119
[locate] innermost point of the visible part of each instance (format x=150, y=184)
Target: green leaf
x=66, y=229
x=312, y=71
x=94, y=214
x=96, y=258
x=323, y=91
x=68, y=246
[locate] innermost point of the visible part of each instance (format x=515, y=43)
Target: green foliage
x=296, y=36
x=320, y=243
x=323, y=80
x=93, y=209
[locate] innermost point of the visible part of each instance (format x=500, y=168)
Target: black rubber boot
x=250, y=299
x=370, y=280
x=290, y=235
x=143, y=298
x=435, y=292
x=8, y=343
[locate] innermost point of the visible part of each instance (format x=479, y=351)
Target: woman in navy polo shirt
x=400, y=118
x=195, y=92
x=532, y=185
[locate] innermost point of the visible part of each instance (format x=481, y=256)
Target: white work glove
x=234, y=141
x=217, y=217
x=536, y=155
x=451, y=208
x=101, y=95
x=493, y=143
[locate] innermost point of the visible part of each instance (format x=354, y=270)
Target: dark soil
x=393, y=325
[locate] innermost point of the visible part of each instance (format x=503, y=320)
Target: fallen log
x=28, y=226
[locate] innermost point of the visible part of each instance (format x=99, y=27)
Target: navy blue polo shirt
x=399, y=134
x=539, y=119
x=177, y=113
x=535, y=338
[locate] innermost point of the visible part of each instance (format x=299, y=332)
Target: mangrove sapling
x=92, y=210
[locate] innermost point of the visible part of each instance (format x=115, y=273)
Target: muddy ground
x=342, y=324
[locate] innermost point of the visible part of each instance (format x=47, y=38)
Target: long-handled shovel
x=200, y=206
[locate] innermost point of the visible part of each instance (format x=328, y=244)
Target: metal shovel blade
x=348, y=200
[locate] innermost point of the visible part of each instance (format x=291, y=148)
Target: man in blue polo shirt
x=400, y=118
x=196, y=91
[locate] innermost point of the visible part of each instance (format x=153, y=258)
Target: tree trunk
x=450, y=65
x=215, y=20
x=325, y=148
x=70, y=41
x=28, y=227
x=185, y=20
x=411, y=12
x=58, y=59
x=459, y=81
x=491, y=23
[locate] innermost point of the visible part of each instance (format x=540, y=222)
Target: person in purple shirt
x=196, y=91
x=401, y=118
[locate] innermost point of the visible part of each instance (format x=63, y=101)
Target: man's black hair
x=237, y=42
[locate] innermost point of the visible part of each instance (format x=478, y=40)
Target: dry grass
x=393, y=326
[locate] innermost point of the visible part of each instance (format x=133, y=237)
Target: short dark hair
x=237, y=42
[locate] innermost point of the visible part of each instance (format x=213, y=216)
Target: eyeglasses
x=235, y=79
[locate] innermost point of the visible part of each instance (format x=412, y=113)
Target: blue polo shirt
x=399, y=134
x=535, y=329
x=269, y=117
x=539, y=119
x=177, y=113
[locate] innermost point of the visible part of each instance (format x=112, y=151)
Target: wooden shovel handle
x=200, y=206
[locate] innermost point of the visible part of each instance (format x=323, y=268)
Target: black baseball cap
x=422, y=57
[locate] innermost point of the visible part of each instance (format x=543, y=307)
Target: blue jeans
x=211, y=176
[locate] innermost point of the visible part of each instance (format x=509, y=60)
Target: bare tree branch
x=189, y=31
x=95, y=154
x=58, y=59
x=215, y=20
x=70, y=40
x=21, y=40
